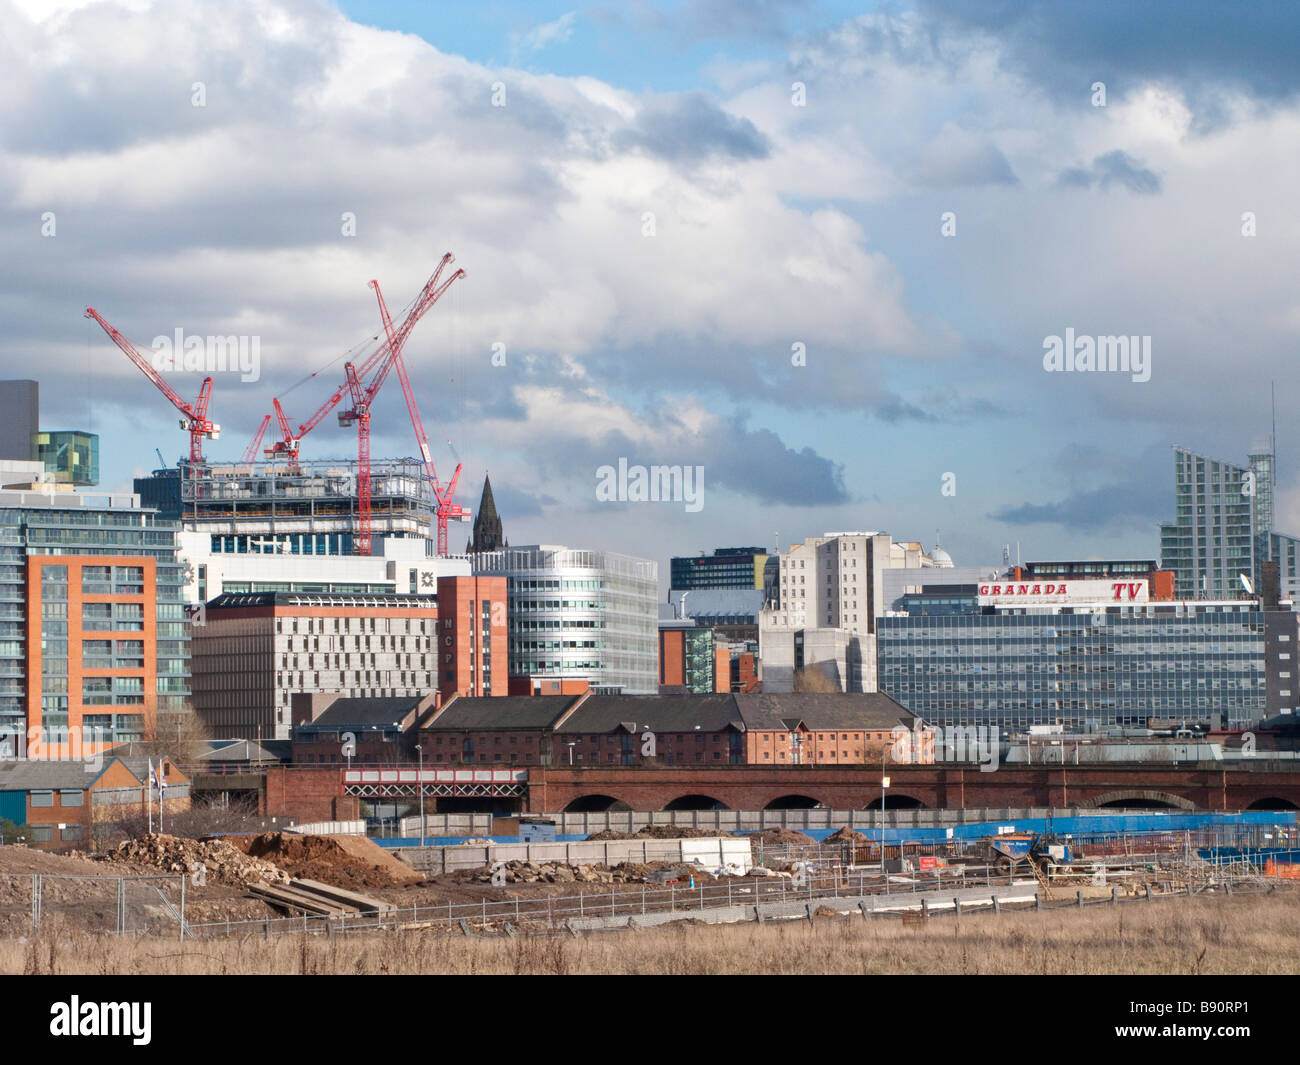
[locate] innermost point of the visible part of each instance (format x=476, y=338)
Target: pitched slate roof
x=659, y=713
x=466, y=713
x=34, y=774
x=365, y=711
x=870, y=711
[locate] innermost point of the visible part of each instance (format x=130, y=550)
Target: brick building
x=382, y=731
x=712, y=729
x=62, y=802
x=515, y=730
x=471, y=631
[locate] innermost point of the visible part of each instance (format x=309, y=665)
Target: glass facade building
x=1108, y=667
x=727, y=567
x=93, y=630
x=580, y=615
x=1222, y=527
x=69, y=457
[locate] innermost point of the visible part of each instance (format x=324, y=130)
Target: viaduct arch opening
x=1139, y=800
x=795, y=802
x=596, y=804
x=1272, y=804
x=696, y=802
x=897, y=802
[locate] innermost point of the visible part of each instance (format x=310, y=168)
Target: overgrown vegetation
x=203, y=818
x=1257, y=934
x=11, y=833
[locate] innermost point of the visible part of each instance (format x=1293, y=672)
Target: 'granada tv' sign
x=1066, y=591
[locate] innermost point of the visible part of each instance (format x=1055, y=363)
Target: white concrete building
x=401, y=565
x=830, y=590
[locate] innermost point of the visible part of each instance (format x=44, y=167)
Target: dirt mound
x=779, y=836
x=345, y=861
x=222, y=863
x=847, y=835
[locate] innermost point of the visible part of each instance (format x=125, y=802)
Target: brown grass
x=1224, y=935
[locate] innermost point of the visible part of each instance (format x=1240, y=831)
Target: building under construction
x=308, y=508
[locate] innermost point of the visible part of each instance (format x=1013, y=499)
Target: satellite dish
x=1245, y=583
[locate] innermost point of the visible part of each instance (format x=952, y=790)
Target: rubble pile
x=525, y=872
x=658, y=832
x=221, y=862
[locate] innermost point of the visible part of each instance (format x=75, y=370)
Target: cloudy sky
x=708, y=232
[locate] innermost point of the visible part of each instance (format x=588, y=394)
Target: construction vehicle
x=1042, y=850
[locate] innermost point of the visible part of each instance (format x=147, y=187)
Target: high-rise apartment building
x=1223, y=527
x=93, y=631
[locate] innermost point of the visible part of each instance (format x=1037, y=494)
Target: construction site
x=306, y=886
x=271, y=499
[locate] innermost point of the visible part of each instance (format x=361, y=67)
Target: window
x=41, y=798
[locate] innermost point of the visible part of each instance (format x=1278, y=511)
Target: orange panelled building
x=105, y=664
x=690, y=658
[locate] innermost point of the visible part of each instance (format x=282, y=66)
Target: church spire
x=488, y=534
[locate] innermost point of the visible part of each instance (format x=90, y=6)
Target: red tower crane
x=250, y=452
x=444, y=507
x=196, y=421
x=290, y=439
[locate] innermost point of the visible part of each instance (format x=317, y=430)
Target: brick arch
x=1272, y=802
x=1115, y=798
x=595, y=803
x=897, y=801
x=795, y=800
x=695, y=801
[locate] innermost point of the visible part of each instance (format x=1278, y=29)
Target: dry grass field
x=1241, y=934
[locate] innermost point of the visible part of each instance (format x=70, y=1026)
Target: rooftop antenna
x=1272, y=392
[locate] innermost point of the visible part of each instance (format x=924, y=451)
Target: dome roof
x=941, y=558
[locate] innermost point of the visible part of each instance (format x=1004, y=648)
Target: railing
x=872, y=893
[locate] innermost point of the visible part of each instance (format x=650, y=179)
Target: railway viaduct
x=322, y=792
x=553, y=789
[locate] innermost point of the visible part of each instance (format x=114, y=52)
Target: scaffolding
x=273, y=499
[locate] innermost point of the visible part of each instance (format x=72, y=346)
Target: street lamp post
x=419, y=783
